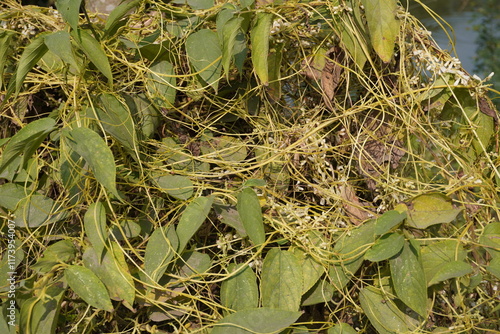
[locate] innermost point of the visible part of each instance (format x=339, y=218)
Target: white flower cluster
x=341, y=8
x=278, y=26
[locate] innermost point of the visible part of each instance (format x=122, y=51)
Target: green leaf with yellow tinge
x=383, y=26
x=250, y=214
x=88, y=286
x=281, y=280
x=204, y=52
x=430, y=209
x=240, y=291
x=259, y=37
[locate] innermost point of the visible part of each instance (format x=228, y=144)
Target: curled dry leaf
x=356, y=210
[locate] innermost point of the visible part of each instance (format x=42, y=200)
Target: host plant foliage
x=244, y=167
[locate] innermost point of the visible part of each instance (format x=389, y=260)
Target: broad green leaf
x=12, y=256
x=227, y=13
x=177, y=186
x=281, y=280
x=341, y=328
x=229, y=32
x=127, y=229
x=59, y=43
x=36, y=210
x=408, y=278
x=96, y=153
x=240, y=291
x=437, y=254
x=491, y=239
x=26, y=141
x=430, y=209
x=251, y=215
x=256, y=321
x=10, y=195
x=94, y=223
x=60, y=252
x=193, y=263
x=383, y=313
x=387, y=246
x=112, y=270
x=160, y=250
x=311, y=270
x=161, y=84
x=388, y=220
x=148, y=117
x=259, y=37
x=383, y=26
x=5, y=48
x=200, y=4
x=40, y=314
x=450, y=270
x=321, y=292
x=225, y=148
x=116, y=119
x=354, y=36
x=118, y=13
x=94, y=51
x=191, y=219
x=88, y=286
x=205, y=53
x=229, y=215
x=350, y=249
x=494, y=267
x=255, y=183
x=70, y=11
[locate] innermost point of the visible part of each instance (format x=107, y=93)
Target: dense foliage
x=243, y=167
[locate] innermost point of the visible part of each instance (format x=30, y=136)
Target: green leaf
x=160, y=250
x=430, y=209
x=281, y=280
x=383, y=26
x=194, y=263
x=354, y=37
x=40, y=314
x=350, y=249
x=491, y=239
x=225, y=148
x=191, y=219
x=94, y=223
x=408, y=279
x=254, y=183
x=311, y=270
x=259, y=37
x=116, y=119
x=70, y=11
x=112, y=270
x=383, y=313
x=11, y=194
x=30, y=56
x=96, y=153
x=341, y=328
x=12, y=256
x=388, y=220
x=127, y=229
x=385, y=247
x=321, y=292
x=26, y=141
x=258, y=320
x=229, y=32
x=60, y=252
x=88, y=286
x=204, y=53
x=37, y=210
x=161, y=84
x=494, y=267
x=240, y=290
x=177, y=186
x=229, y=215
x=118, y=13
x=5, y=49
x=200, y=4
x=94, y=51
x=450, y=270
x=251, y=215
x=59, y=43
x=437, y=254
